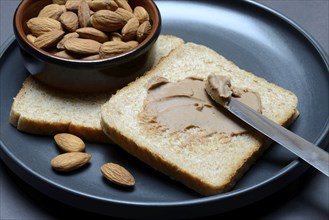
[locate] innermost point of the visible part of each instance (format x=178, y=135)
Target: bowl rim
x=115, y=60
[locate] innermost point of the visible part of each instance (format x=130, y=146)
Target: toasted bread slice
x=207, y=163
x=38, y=109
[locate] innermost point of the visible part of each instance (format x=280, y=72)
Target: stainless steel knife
x=307, y=151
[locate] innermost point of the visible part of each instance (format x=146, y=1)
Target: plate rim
x=297, y=165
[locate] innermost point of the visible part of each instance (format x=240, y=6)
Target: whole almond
x=69, y=142
x=108, y=21
x=129, y=30
x=41, y=25
x=117, y=174
x=48, y=39
x=141, y=14
x=126, y=15
x=31, y=38
x=65, y=54
x=70, y=161
x=72, y=5
x=83, y=14
x=92, y=57
x=112, y=48
x=92, y=33
x=69, y=21
x=116, y=36
x=59, y=2
x=52, y=11
x=123, y=4
x=82, y=46
x=132, y=43
x=97, y=5
x=143, y=31
x=60, y=44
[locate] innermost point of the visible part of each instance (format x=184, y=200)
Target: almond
x=31, y=38
x=112, y=48
x=52, y=11
x=126, y=15
x=69, y=21
x=72, y=5
x=129, y=30
x=143, y=31
x=124, y=4
x=60, y=44
x=92, y=57
x=115, y=36
x=108, y=21
x=41, y=25
x=132, y=43
x=83, y=14
x=48, y=39
x=141, y=14
x=59, y=2
x=65, y=54
x=92, y=33
x=117, y=174
x=97, y=5
x=82, y=46
x=69, y=142
x=70, y=161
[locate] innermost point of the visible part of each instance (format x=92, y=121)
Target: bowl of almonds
x=87, y=45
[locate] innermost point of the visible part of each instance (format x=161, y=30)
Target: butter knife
x=307, y=151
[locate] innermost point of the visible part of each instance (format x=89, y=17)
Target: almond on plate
x=117, y=174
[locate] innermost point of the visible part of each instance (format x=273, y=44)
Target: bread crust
x=175, y=172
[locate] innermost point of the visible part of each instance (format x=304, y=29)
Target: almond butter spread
x=185, y=104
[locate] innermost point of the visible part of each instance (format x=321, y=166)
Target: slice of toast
x=38, y=109
x=207, y=163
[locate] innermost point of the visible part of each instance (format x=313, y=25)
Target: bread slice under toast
x=38, y=109
x=207, y=163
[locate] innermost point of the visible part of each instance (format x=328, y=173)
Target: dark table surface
x=305, y=198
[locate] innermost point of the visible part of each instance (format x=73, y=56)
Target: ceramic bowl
x=85, y=75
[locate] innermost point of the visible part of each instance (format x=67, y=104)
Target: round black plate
x=256, y=39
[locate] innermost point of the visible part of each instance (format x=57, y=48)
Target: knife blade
x=307, y=151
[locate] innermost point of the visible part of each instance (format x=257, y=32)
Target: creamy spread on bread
x=185, y=104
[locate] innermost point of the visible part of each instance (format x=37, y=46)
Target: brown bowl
x=85, y=75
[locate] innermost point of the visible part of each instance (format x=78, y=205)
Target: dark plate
x=256, y=39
